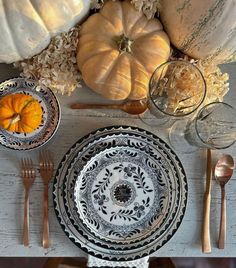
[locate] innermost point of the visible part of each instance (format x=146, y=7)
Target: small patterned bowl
x=50, y=120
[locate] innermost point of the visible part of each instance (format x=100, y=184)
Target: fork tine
x=46, y=160
x=23, y=163
x=22, y=167
x=50, y=159
x=31, y=163
x=30, y=167
x=27, y=163
x=45, y=156
x=46, y=153
x=27, y=168
x=40, y=158
x=31, y=173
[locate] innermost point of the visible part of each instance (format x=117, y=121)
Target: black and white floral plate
x=50, y=120
x=122, y=194
x=154, y=217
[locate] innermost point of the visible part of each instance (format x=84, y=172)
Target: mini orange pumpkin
x=20, y=113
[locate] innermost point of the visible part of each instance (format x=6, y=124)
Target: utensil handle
x=26, y=219
x=94, y=106
x=221, y=242
x=206, y=242
x=45, y=218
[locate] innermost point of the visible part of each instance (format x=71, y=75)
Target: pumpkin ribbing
x=119, y=61
x=201, y=29
x=20, y=113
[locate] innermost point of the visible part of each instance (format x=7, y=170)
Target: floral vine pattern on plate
x=134, y=214
x=99, y=196
x=120, y=192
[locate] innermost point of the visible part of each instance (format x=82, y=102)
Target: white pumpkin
x=26, y=27
x=202, y=28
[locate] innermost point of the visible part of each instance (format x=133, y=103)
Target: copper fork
x=46, y=171
x=28, y=175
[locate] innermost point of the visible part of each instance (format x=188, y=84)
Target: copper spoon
x=130, y=107
x=223, y=172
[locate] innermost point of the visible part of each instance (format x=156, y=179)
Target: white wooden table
x=75, y=124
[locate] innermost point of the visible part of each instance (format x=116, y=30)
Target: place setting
x=134, y=172
x=120, y=192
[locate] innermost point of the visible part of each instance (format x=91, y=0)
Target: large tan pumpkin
x=202, y=28
x=119, y=49
x=26, y=27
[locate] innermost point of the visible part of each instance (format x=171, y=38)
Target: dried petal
x=55, y=67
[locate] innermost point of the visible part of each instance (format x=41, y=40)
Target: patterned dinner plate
x=137, y=141
x=122, y=194
x=50, y=119
x=153, y=221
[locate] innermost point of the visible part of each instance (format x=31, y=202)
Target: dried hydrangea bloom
x=179, y=87
x=217, y=83
x=149, y=7
x=96, y=4
x=55, y=67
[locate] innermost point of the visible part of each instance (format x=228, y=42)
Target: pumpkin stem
x=15, y=119
x=124, y=43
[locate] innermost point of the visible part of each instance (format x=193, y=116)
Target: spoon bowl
x=224, y=169
x=134, y=107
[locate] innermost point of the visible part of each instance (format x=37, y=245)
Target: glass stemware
x=214, y=127
x=176, y=90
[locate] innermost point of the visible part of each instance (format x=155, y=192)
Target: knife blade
x=206, y=239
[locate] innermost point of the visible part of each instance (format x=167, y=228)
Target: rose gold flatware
x=223, y=172
x=46, y=171
x=130, y=107
x=28, y=175
x=206, y=241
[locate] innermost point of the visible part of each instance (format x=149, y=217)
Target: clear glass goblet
x=213, y=127
x=176, y=90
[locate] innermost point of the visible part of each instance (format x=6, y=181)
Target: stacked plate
x=120, y=193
